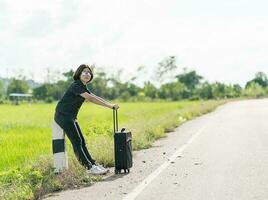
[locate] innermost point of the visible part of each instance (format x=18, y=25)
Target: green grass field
x=25, y=130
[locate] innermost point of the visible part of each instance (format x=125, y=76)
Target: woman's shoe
x=103, y=168
x=96, y=170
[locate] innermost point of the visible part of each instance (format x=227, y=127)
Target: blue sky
x=223, y=40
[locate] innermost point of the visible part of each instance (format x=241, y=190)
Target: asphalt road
x=219, y=156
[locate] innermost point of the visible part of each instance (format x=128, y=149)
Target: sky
x=223, y=40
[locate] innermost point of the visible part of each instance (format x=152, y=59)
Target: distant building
x=16, y=97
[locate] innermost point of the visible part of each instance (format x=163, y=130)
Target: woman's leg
x=74, y=134
x=84, y=146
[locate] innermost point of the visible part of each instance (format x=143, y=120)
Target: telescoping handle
x=115, y=120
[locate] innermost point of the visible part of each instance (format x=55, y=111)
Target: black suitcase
x=122, y=147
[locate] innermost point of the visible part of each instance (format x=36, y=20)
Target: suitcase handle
x=115, y=120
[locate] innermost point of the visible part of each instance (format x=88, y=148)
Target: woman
x=66, y=116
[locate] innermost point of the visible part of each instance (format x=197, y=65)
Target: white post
x=59, y=148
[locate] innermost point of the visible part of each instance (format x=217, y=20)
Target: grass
x=26, y=170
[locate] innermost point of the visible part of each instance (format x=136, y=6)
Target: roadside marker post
x=59, y=148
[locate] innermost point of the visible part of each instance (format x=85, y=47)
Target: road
x=222, y=155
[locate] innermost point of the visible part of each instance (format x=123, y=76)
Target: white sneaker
x=96, y=170
x=103, y=168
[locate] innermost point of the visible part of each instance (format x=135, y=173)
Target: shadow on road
x=113, y=177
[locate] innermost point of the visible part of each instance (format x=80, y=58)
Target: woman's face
x=85, y=75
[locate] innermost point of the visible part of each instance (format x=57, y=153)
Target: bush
x=49, y=100
x=254, y=90
x=33, y=182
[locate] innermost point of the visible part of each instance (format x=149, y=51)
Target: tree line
x=171, y=86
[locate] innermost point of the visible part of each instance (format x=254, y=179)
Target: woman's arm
x=97, y=100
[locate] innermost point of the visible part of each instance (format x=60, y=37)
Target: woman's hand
x=114, y=106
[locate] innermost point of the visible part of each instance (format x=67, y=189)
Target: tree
x=69, y=77
x=125, y=96
x=174, y=91
x=133, y=89
x=260, y=78
x=254, y=90
x=189, y=79
x=17, y=86
x=1, y=89
x=57, y=90
x=140, y=72
x=229, y=91
x=150, y=90
x=205, y=91
x=99, y=84
x=237, y=90
x=218, y=90
x=50, y=91
x=42, y=92
x=166, y=68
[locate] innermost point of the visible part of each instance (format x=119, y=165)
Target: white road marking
x=132, y=195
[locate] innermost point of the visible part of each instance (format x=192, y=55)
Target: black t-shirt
x=71, y=101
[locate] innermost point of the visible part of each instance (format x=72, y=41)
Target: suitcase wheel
x=118, y=171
